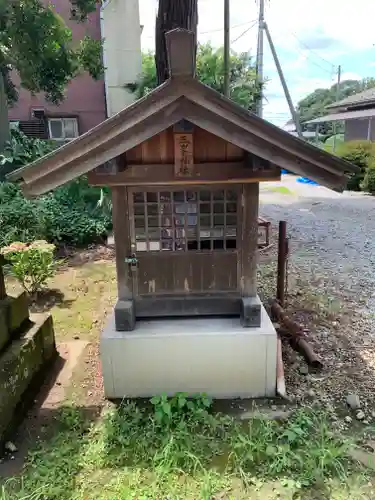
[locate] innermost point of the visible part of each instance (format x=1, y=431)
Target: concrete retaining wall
x=27, y=346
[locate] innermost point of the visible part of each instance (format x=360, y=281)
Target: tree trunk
x=4, y=121
x=172, y=14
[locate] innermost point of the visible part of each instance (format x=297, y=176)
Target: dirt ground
x=331, y=284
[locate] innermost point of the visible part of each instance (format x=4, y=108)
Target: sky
x=312, y=38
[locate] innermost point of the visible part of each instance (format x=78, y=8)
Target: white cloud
x=350, y=76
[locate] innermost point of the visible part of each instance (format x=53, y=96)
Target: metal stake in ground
x=281, y=263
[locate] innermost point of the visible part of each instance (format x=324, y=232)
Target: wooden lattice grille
x=185, y=220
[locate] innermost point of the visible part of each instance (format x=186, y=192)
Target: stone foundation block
x=125, y=316
x=16, y=309
x=250, y=312
x=193, y=355
x=48, y=335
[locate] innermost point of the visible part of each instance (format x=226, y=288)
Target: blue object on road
x=303, y=180
x=284, y=171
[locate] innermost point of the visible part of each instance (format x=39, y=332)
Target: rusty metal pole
x=3, y=292
x=281, y=263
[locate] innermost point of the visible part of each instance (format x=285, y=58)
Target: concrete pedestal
x=217, y=356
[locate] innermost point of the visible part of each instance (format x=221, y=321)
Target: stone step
x=14, y=315
x=21, y=364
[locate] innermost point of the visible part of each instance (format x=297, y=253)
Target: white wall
x=121, y=33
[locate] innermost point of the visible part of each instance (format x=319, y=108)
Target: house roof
x=345, y=115
x=361, y=98
x=181, y=97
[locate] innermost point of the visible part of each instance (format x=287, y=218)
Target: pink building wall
x=85, y=97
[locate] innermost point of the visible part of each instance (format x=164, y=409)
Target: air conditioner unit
x=38, y=113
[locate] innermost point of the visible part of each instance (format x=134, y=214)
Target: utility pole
x=337, y=98
x=226, y=47
x=260, y=57
x=293, y=112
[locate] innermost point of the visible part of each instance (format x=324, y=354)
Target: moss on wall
x=22, y=361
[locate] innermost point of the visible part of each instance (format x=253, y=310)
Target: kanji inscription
x=184, y=154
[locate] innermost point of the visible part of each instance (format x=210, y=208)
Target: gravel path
x=332, y=272
x=332, y=235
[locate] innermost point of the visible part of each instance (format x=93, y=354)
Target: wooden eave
x=182, y=97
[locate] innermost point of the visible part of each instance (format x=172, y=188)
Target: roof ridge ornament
x=181, y=49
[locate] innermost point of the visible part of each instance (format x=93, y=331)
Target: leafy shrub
x=32, y=264
x=71, y=214
x=368, y=184
x=21, y=150
x=75, y=225
x=360, y=153
x=20, y=219
x=75, y=213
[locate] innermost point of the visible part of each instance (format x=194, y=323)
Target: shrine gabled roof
x=182, y=97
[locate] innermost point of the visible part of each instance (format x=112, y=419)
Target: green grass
x=127, y=454
x=279, y=189
x=89, y=291
x=85, y=294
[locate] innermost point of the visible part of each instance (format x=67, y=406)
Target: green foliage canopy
x=314, y=105
x=244, y=89
x=36, y=43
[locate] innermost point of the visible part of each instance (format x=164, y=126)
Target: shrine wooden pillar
x=124, y=309
x=250, y=307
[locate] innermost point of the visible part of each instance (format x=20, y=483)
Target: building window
x=185, y=220
x=63, y=129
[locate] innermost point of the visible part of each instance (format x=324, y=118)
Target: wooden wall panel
x=166, y=146
x=187, y=272
x=200, y=146
x=207, y=148
x=215, y=147
x=134, y=155
x=210, y=148
x=151, y=150
x=158, y=149
x=233, y=152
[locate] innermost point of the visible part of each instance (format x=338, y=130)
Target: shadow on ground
x=48, y=298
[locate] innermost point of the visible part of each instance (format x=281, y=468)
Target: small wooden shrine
x=184, y=164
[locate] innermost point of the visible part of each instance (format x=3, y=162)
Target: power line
x=217, y=30
x=307, y=56
x=222, y=29
x=330, y=72
x=312, y=53
x=311, y=50
x=244, y=32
